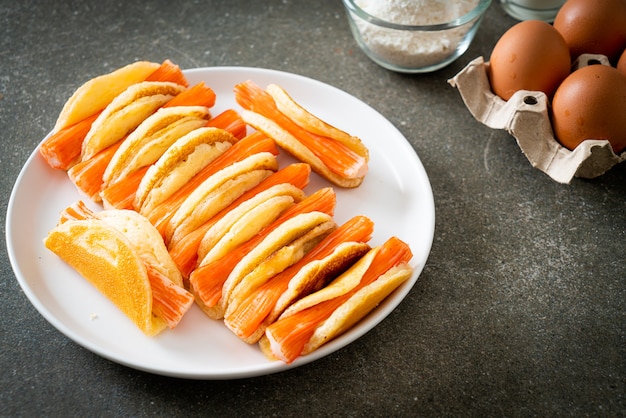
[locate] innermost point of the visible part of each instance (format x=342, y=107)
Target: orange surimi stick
x=185, y=252
x=62, y=149
x=231, y=121
x=169, y=301
x=252, y=144
x=209, y=279
x=258, y=305
x=87, y=175
x=198, y=95
x=289, y=335
x=336, y=156
x=168, y=71
x=77, y=211
x=121, y=195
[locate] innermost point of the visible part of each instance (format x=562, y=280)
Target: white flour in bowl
x=413, y=48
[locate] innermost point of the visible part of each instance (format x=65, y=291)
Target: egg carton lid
x=525, y=116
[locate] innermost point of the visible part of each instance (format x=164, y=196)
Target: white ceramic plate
x=396, y=195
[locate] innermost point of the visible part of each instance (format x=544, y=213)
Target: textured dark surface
x=520, y=310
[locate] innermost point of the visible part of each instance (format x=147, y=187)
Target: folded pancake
x=249, y=145
x=122, y=255
x=147, y=143
x=247, y=320
x=317, y=274
x=280, y=249
x=318, y=318
x=179, y=163
x=145, y=239
x=217, y=192
x=62, y=149
x=94, y=95
x=246, y=220
x=338, y=157
x=338, y=287
x=125, y=112
x=330, y=258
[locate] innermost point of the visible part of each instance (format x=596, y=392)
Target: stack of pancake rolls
x=193, y=208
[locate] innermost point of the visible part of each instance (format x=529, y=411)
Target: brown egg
x=621, y=64
x=593, y=27
x=591, y=104
x=531, y=55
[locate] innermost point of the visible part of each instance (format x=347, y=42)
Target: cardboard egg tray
x=525, y=116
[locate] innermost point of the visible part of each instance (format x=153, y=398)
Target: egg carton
x=525, y=116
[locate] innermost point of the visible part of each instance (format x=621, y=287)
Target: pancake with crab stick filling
x=62, y=148
x=143, y=147
x=185, y=251
x=126, y=112
x=255, y=143
x=179, y=163
x=246, y=220
x=335, y=155
x=326, y=314
x=213, y=281
x=88, y=176
x=110, y=130
x=217, y=192
x=123, y=256
x=249, y=318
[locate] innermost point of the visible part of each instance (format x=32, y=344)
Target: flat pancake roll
x=122, y=255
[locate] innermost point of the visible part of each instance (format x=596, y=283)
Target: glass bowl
x=414, y=37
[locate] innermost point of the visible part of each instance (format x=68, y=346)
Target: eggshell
x=531, y=55
x=593, y=27
x=591, y=104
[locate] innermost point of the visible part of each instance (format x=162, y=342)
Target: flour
x=413, y=49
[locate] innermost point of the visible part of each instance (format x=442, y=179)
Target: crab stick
x=168, y=71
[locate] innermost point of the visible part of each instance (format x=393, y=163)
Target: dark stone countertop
x=519, y=310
